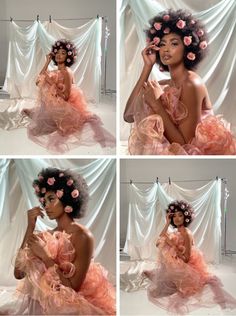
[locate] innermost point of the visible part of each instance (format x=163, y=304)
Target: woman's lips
x=166, y=57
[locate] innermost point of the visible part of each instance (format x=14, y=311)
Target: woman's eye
x=175, y=44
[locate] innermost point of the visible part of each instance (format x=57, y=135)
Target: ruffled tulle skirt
x=182, y=287
x=60, y=125
x=44, y=295
x=212, y=137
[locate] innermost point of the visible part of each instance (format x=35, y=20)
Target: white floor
x=16, y=142
x=137, y=303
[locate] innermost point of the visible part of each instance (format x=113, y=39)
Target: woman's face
x=171, y=49
x=53, y=206
x=178, y=218
x=61, y=56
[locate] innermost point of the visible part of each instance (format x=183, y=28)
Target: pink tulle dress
x=181, y=287
x=41, y=291
x=60, y=125
x=212, y=135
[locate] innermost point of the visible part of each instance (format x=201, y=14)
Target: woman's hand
x=37, y=245
x=168, y=218
x=149, y=54
x=152, y=92
x=49, y=58
x=32, y=216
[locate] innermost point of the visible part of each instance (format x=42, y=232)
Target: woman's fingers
x=145, y=85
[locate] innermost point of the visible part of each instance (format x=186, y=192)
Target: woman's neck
x=181, y=228
x=63, y=222
x=61, y=66
x=178, y=74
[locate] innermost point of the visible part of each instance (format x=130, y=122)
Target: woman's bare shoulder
x=80, y=233
x=193, y=80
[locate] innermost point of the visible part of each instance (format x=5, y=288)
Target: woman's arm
x=185, y=256
x=192, y=96
x=32, y=217
x=44, y=69
x=65, y=93
x=48, y=60
x=149, y=58
x=165, y=229
x=83, y=244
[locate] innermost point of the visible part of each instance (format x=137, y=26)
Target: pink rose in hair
x=156, y=40
x=203, y=45
x=148, y=40
x=181, y=24
x=51, y=181
x=70, y=182
x=187, y=40
x=75, y=193
x=40, y=177
x=61, y=174
x=59, y=193
x=43, y=190
x=200, y=32
x=152, y=31
x=36, y=188
x=191, y=56
x=157, y=26
x=42, y=200
x=192, y=22
x=167, y=30
x=68, y=209
x=166, y=17
x=68, y=60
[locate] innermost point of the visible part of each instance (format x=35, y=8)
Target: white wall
x=141, y=170
x=28, y=9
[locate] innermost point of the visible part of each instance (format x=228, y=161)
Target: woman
x=181, y=282
x=175, y=116
x=56, y=267
x=61, y=119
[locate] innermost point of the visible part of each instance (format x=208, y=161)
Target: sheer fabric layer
x=181, y=287
x=212, y=136
x=60, y=125
x=41, y=291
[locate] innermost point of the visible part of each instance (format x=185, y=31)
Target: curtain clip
x=37, y=17
x=157, y=180
x=217, y=178
x=97, y=16
x=11, y=19
x=130, y=181
x=50, y=19
x=169, y=180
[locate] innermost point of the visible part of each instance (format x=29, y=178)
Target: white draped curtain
x=147, y=218
x=29, y=45
x=217, y=69
x=17, y=196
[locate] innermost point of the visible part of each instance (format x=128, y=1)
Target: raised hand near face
x=32, y=216
x=149, y=54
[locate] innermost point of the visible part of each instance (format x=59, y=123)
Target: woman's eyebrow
x=49, y=196
x=171, y=39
